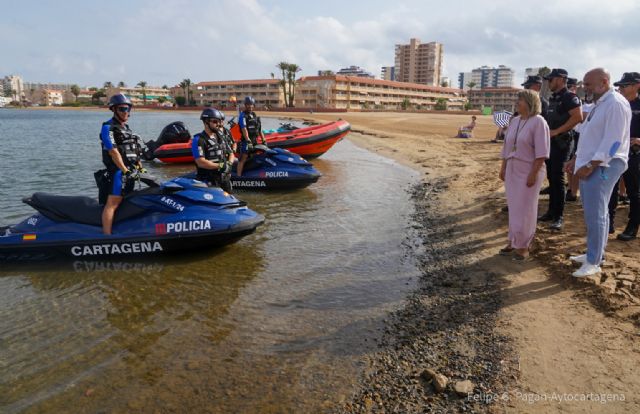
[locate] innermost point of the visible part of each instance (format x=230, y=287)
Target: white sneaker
x=587, y=269
x=582, y=258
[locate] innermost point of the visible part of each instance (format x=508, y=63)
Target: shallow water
x=277, y=322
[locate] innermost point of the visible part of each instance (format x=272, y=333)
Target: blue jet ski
x=180, y=214
x=274, y=169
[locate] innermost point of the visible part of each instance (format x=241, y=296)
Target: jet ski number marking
x=116, y=248
x=172, y=203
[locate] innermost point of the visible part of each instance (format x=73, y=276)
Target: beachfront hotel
x=499, y=99
x=137, y=94
x=357, y=93
x=267, y=92
x=419, y=62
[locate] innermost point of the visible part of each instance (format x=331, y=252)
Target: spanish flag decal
x=27, y=237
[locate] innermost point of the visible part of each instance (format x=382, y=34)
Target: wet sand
x=528, y=336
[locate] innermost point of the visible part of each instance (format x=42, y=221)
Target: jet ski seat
x=78, y=209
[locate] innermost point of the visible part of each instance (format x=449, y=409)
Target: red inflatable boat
x=308, y=142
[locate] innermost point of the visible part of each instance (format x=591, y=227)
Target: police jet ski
x=274, y=169
x=180, y=214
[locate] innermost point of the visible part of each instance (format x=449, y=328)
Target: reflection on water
x=278, y=322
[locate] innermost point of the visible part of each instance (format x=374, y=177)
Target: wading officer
x=121, y=151
x=563, y=114
x=212, y=152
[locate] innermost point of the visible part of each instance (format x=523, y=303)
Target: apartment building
x=419, y=62
x=356, y=93
x=388, y=73
x=354, y=71
x=499, y=99
x=488, y=77
x=267, y=92
x=152, y=95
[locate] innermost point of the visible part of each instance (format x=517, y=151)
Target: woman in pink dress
x=526, y=146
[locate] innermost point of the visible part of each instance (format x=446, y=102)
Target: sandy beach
x=528, y=336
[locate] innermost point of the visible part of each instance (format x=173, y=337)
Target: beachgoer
x=601, y=159
x=526, y=147
x=563, y=114
x=121, y=155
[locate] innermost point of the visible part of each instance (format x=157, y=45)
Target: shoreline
x=518, y=331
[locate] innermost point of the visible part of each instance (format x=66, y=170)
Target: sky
x=164, y=41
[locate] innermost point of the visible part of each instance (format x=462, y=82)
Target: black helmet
x=249, y=100
x=119, y=99
x=211, y=113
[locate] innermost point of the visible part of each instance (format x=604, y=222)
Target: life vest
x=215, y=149
x=126, y=142
x=252, y=123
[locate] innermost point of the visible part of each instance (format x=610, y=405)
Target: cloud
x=164, y=41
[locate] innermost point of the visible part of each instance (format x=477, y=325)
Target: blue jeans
x=596, y=191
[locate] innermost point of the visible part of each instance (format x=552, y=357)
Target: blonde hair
x=532, y=99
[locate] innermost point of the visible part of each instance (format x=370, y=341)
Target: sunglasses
x=124, y=109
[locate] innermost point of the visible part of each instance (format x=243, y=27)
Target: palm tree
x=471, y=85
x=121, y=84
x=292, y=70
x=187, y=87
x=75, y=90
x=143, y=85
x=284, y=66
x=108, y=85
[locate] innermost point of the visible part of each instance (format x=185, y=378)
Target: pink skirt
x=522, y=202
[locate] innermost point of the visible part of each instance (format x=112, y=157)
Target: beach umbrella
x=502, y=118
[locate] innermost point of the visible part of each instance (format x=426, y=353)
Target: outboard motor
x=174, y=133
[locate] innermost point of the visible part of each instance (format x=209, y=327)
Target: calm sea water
x=280, y=321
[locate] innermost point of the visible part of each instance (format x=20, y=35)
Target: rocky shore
x=442, y=351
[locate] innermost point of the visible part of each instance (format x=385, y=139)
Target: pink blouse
x=527, y=139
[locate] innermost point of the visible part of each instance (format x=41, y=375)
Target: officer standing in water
x=121, y=152
x=251, y=129
x=563, y=114
x=212, y=151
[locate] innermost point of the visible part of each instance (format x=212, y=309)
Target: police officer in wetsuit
x=251, y=130
x=535, y=84
x=629, y=87
x=212, y=151
x=121, y=154
x=564, y=112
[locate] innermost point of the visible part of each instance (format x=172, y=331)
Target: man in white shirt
x=600, y=160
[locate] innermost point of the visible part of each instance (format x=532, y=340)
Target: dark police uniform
x=560, y=104
x=631, y=176
x=115, y=135
x=250, y=121
x=215, y=149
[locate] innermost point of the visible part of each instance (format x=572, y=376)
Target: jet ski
x=180, y=214
x=272, y=169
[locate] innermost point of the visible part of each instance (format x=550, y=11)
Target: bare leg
x=109, y=211
x=241, y=161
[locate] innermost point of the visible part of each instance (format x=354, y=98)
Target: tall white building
x=388, y=73
x=13, y=85
x=488, y=77
x=463, y=80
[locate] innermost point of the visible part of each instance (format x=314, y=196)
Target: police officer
x=574, y=182
x=251, y=129
x=226, y=134
x=121, y=152
x=629, y=87
x=212, y=152
x=535, y=84
x=564, y=112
